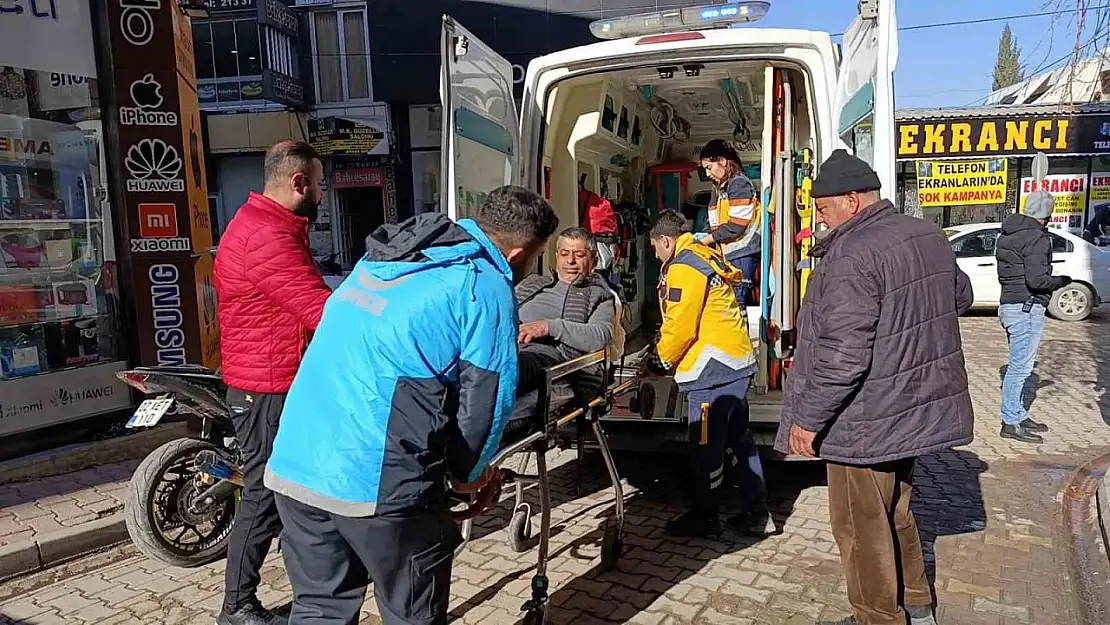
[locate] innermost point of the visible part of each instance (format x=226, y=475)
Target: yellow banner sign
x=961, y=183
x=1068, y=190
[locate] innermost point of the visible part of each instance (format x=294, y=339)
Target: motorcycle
x=182, y=499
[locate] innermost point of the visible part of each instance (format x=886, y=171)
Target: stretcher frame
x=545, y=438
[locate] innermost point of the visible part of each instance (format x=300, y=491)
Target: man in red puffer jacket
x=271, y=297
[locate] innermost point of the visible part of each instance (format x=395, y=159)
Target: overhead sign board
x=1003, y=135
x=343, y=136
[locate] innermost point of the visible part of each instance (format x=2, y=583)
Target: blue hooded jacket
x=410, y=377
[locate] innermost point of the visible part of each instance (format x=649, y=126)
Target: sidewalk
x=65, y=503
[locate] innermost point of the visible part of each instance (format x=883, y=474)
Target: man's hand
x=485, y=478
x=801, y=442
x=706, y=239
x=533, y=330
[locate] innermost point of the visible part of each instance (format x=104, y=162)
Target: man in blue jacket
x=406, y=386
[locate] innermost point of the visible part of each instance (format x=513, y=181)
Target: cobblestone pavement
x=34, y=509
x=988, y=515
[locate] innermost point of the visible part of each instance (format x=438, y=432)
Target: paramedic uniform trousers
x=255, y=419
x=330, y=560
x=724, y=447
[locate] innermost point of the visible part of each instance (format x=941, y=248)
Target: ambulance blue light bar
x=721, y=15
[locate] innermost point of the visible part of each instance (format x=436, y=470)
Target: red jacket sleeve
x=282, y=268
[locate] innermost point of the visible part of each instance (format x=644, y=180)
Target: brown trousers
x=878, y=540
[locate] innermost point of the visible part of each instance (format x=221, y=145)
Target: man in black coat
x=878, y=379
x=1024, y=255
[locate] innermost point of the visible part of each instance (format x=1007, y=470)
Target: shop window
x=342, y=56
x=58, y=284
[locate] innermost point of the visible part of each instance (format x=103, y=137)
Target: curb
x=1085, y=512
x=86, y=455
x=31, y=556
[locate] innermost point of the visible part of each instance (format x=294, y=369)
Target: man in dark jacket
x=878, y=380
x=1024, y=255
x=271, y=297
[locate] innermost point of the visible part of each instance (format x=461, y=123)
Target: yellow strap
x=705, y=424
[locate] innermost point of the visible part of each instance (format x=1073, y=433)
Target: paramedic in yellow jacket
x=704, y=343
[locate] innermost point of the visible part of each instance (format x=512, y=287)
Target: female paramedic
x=733, y=214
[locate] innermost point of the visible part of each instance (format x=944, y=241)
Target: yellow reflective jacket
x=703, y=326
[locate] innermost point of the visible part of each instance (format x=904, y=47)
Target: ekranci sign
x=1003, y=136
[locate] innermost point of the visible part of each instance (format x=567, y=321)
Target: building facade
x=105, y=234
x=974, y=165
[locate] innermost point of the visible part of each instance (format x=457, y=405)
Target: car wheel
x=1072, y=303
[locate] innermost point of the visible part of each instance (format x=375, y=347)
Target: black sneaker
x=694, y=524
x=754, y=525
x=1018, y=432
x=250, y=614
x=1033, y=426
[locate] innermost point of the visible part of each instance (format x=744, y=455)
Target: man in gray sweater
x=562, y=317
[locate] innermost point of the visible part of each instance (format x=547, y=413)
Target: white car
x=1088, y=266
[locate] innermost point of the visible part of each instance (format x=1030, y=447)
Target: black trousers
x=255, y=417
x=330, y=560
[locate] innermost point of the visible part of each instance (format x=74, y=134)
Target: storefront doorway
x=363, y=210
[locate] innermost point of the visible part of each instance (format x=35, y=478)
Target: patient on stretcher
x=562, y=317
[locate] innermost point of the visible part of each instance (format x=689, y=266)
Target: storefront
x=84, y=153
x=974, y=165
x=60, y=319
x=361, y=177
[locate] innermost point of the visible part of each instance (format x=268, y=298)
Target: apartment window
x=227, y=49
x=342, y=55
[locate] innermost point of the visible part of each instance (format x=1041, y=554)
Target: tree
x=1007, y=68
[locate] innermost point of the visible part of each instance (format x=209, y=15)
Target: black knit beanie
x=842, y=174
x=717, y=148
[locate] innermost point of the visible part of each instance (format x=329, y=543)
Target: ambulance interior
x=633, y=136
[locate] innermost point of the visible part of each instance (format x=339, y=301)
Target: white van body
x=559, y=136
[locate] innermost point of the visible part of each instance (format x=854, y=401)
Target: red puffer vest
x=270, y=294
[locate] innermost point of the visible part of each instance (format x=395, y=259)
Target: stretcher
x=556, y=409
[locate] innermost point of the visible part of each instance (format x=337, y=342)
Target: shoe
x=250, y=614
x=693, y=524
x=1019, y=433
x=755, y=525
x=1033, y=426
x=920, y=615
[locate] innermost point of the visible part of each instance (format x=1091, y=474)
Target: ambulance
x=625, y=119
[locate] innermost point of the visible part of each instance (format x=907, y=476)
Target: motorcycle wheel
x=160, y=516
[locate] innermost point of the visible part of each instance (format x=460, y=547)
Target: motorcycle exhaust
x=210, y=463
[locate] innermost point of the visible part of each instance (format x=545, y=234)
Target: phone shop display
x=54, y=310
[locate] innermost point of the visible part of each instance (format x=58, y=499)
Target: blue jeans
x=746, y=264
x=1023, y=332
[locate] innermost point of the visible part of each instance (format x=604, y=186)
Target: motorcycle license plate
x=150, y=412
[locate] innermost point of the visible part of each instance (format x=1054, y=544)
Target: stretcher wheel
x=520, y=529
x=612, y=544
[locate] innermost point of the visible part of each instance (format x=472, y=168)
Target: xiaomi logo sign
x=157, y=221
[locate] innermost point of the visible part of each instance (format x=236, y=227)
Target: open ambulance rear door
x=863, y=106
x=481, y=132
